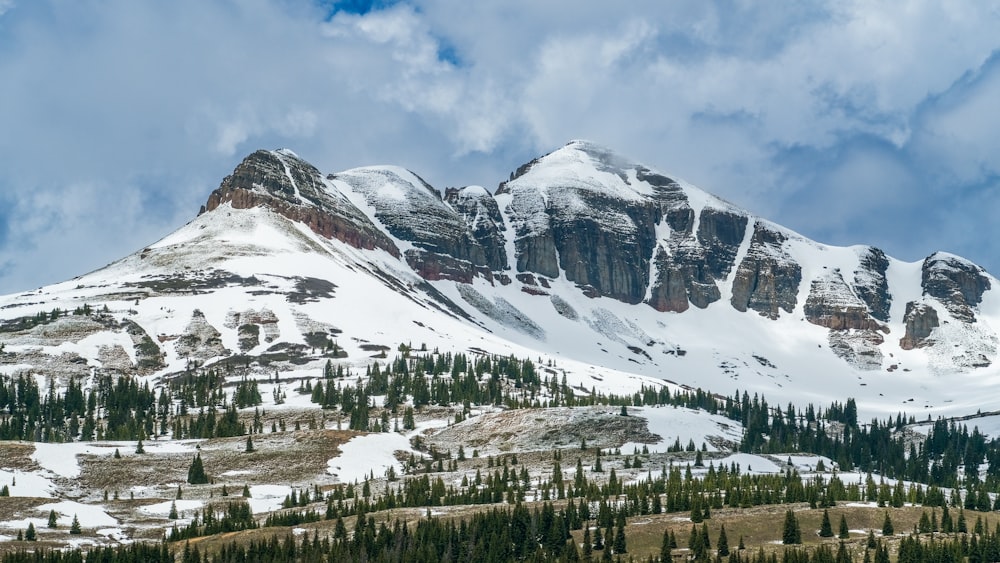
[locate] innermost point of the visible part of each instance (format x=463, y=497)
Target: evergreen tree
x=196, y=472
x=138, y=447
x=29, y=534
x=665, y=550
x=825, y=528
x=52, y=519
x=887, y=529
x=723, y=543
x=791, y=533
x=74, y=528
x=173, y=510
x=845, y=533
x=249, y=448
x=619, y=544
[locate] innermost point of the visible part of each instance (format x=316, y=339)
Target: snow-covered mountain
x=611, y=271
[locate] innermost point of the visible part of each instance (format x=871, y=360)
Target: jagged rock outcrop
x=833, y=305
x=920, y=319
x=201, y=340
x=957, y=283
x=871, y=283
x=286, y=184
x=482, y=215
x=445, y=245
x=768, y=278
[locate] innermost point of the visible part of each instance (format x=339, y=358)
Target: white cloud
x=769, y=107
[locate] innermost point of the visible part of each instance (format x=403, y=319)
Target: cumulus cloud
x=879, y=111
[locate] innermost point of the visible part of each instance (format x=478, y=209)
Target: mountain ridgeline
x=617, y=229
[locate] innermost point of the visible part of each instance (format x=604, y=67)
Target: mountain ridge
x=581, y=255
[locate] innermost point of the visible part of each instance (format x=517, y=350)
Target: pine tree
x=74, y=528
x=665, y=549
x=588, y=546
x=845, y=533
x=138, y=447
x=791, y=533
x=723, y=543
x=825, y=529
x=246, y=491
x=173, y=510
x=887, y=529
x=29, y=534
x=196, y=473
x=249, y=448
x=52, y=519
x=619, y=545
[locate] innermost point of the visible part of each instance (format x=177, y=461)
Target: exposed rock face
x=832, y=304
x=201, y=340
x=920, y=320
x=871, y=284
x=482, y=215
x=288, y=185
x=768, y=278
x=859, y=348
x=447, y=245
x=957, y=283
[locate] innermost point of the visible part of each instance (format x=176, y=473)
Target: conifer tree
x=825, y=528
x=29, y=534
x=845, y=533
x=74, y=528
x=723, y=543
x=52, y=519
x=249, y=448
x=665, y=549
x=791, y=533
x=196, y=473
x=887, y=529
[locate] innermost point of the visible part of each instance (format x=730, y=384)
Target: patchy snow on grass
x=672, y=424
x=265, y=498
x=365, y=454
x=750, y=463
x=163, y=508
x=21, y=484
x=90, y=515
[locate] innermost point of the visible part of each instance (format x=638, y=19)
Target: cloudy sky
x=852, y=122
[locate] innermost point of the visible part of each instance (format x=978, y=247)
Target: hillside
x=312, y=335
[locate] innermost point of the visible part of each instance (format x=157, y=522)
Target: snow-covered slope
x=610, y=272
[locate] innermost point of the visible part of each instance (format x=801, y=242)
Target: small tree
x=74, y=528
x=791, y=533
x=173, y=510
x=825, y=529
x=845, y=533
x=723, y=543
x=887, y=529
x=196, y=473
x=246, y=491
x=249, y=448
x=52, y=519
x=138, y=447
x=29, y=534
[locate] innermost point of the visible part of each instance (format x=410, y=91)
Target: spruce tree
x=665, y=550
x=845, y=533
x=196, y=473
x=825, y=529
x=791, y=534
x=74, y=528
x=29, y=534
x=173, y=510
x=249, y=448
x=723, y=543
x=887, y=529
x=52, y=519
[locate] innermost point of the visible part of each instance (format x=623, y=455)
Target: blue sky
x=852, y=122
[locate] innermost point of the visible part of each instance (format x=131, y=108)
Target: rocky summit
x=581, y=256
